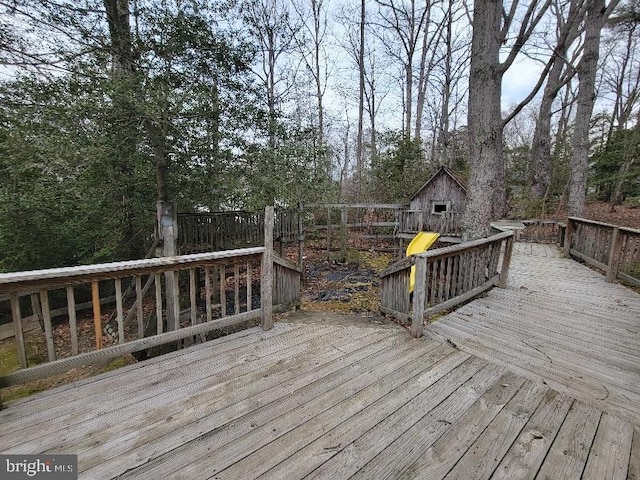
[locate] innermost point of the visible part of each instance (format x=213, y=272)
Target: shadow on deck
x=520, y=397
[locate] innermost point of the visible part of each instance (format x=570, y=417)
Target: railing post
x=506, y=261
x=561, y=234
x=168, y=229
x=419, y=296
x=343, y=233
x=266, y=272
x=300, y=236
x=568, y=233
x=614, y=255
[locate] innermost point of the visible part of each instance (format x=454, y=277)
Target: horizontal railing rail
x=445, y=278
x=611, y=248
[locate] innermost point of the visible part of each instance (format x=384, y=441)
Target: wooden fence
x=542, y=231
x=445, y=277
x=614, y=249
x=413, y=221
x=342, y=225
x=218, y=231
x=177, y=298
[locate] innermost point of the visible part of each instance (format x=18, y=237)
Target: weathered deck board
x=559, y=322
x=354, y=403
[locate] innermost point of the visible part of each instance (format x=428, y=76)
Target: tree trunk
x=486, y=193
x=443, y=131
x=541, y=147
x=587, y=69
x=359, y=140
x=120, y=32
x=123, y=67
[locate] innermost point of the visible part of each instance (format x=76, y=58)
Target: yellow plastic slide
x=420, y=243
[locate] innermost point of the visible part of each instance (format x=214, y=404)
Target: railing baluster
x=73, y=327
x=48, y=328
x=249, y=286
x=119, y=310
x=16, y=315
x=236, y=287
x=419, y=296
x=192, y=296
x=97, y=316
x=208, y=272
x=139, y=306
x=223, y=293
x=176, y=298
x=35, y=308
x=159, y=317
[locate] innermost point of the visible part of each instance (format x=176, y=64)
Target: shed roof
x=455, y=176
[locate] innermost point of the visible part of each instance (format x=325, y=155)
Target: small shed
x=445, y=192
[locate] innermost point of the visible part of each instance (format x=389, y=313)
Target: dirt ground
x=348, y=285
x=621, y=215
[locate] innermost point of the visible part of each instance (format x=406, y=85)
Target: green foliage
x=65, y=197
x=517, y=171
x=617, y=161
x=398, y=170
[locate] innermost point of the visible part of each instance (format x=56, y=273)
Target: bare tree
x=313, y=26
x=596, y=15
x=428, y=60
x=405, y=22
x=447, y=81
x=568, y=30
x=491, y=25
x=361, y=90
x=270, y=25
x=621, y=68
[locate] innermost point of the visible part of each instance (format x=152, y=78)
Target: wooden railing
x=542, y=231
x=217, y=231
x=357, y=225
x=174, y=299
x=414, y=221
x=613, y=249
x=445, y=277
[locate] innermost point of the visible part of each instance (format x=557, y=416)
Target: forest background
x=107, y=106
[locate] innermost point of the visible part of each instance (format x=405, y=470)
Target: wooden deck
x=560, y=322
x=331, y=401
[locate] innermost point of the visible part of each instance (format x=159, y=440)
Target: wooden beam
x=97, y=316
x=568, y=237
x=266, y=280
x=48, y=328
x=119, y=310
x=615, y=245
x=73, y=326
x=159, y=320
x=56, y=277
x=17, y=324
x=506, y=262
x=139, y=305
x=419, y=296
